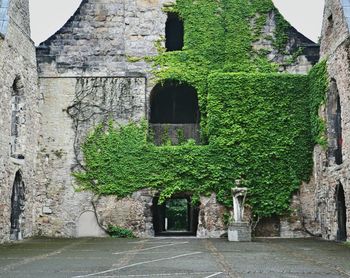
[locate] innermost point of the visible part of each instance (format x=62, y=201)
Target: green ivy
x=319, y=83
x=118, y=232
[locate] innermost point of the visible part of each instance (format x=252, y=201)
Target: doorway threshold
x=175, y=234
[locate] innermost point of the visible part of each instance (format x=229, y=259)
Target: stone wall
x=303, y=53
x=19, y=119
x=319, y=198
x=103, y=38
x=133, y=213
x=72, y=107
x=211, y=218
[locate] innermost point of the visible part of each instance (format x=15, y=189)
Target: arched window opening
x=174, y=113
x=177, y=216
x=335, y=136
x=174, y=103
x=17, y=119
x=339, y=134
x=17, y=207
x=341, y=213
x=330, y=24
x=174, y=33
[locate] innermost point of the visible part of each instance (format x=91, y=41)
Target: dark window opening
x=334, y=125
x=176, y=216
x=17, y=118
x=330, y=24
x=17, y=207
x=341, y=213
x=173, y=103
x=339, y=136
x=174, y=114
x=330, y=20
x=174, y=32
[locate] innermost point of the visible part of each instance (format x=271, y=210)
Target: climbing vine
x=318, y=86
x=256, y=123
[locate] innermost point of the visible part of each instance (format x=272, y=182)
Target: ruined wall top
x=14, y=12
x=112, y=38
x=4, y=17
x=102, y=36
x=336, y=24
x=346, y=9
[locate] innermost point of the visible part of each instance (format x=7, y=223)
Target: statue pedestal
x=240, y=231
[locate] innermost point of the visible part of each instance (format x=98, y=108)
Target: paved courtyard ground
x=169, y=257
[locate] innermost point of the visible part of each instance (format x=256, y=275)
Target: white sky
x=48, y=16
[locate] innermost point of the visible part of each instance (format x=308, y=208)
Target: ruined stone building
x=330, y=186
x=99, y=67
x=19, y=122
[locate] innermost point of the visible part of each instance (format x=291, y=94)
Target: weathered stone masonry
x=19, y=122
x=323, y=202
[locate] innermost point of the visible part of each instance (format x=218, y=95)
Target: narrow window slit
x=174, y=33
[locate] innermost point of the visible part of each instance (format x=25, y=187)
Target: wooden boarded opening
x=174, y=113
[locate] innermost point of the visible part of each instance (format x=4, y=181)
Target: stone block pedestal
x=240, y=232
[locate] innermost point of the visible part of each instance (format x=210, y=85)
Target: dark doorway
x=176, y=216
x=339, y=134
x=334, y=128
x=17, y=207
x=341, y=212
x=174, y=33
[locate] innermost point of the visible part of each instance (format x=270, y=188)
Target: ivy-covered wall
x=227, y=36
x=259, y=131
x=260, y=122
x=255, y=122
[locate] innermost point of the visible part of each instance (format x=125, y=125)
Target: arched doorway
x=174, y=113
x=334, y=119
x=17, y=207
x=177, y=216
x=341, y=213
x=87, y=225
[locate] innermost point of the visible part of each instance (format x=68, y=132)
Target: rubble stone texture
x=18, y=79
x=319, y=198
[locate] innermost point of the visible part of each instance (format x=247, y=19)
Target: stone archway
x=341, y=213
x=87, y=225
x=17, y=207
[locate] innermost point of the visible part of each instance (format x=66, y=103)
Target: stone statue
x=239, y=195
x=239, y=230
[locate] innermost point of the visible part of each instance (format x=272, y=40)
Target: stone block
x=240, y=232
x=47, y=210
